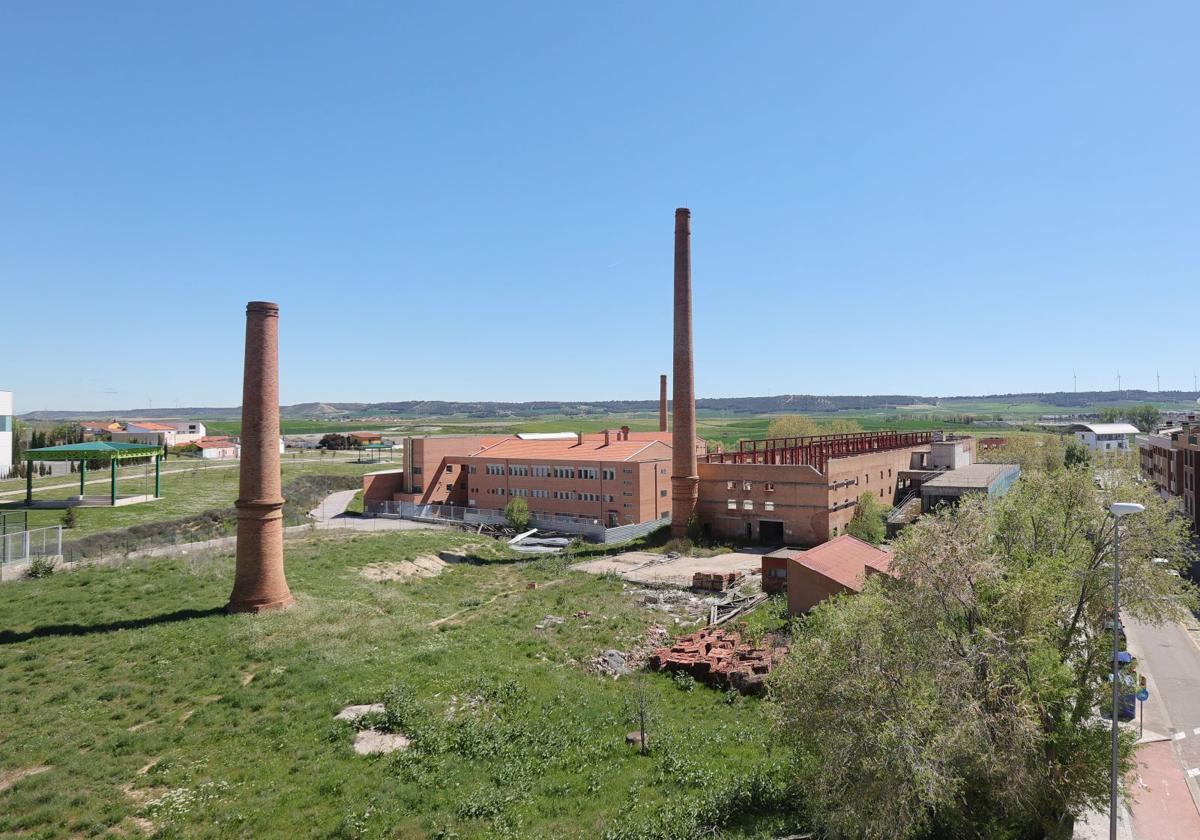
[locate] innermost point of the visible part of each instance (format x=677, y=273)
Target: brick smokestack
x=259, y=583
x=684, y=479
x=662, y=403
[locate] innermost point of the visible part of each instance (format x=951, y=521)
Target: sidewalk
x=1158, y=792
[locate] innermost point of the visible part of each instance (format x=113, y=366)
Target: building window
x=449, y=468
x=610, y=498
x=588, y=473
x=627, y=471
x=541, y=472
x=609, y=474
x=495, y=469
x=731, y=504
x=449, y=486
x=663, y=471
x=564, y=472
x=769, y=486
x=730, y=485
x=416, y=470
x=768, y=506
x=518, y=469
x=471, y=469
x=662, y=493
x=748, y=504
x=417, y=488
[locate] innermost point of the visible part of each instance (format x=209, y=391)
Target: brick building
x=616, y=477
x=1187, y=442
x=1161, y=461
x=839, y=566
x=803, y=491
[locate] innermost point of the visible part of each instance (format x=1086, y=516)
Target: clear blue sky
x=475, y=201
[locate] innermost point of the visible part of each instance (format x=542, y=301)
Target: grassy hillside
x=143, y=708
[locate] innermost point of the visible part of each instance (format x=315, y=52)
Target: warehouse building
x=803, y=491
x=951, y=486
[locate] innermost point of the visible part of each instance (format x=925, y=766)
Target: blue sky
x=475, y=201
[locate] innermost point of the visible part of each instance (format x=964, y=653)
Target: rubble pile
x=717, y=581
x=719, y=658
x=615, y=663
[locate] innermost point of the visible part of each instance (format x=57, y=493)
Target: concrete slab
x=649, y=568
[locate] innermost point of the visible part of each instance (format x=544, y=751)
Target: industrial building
x=612, y=478
x=840, y=566
x=950, y=487
x=803, y=491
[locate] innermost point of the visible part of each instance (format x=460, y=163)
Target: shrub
x=41, y=567
x=399, y=708
x=517, y=513
x=685, y=681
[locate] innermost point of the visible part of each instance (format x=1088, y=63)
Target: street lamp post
x=1118, y=510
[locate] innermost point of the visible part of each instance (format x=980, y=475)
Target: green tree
x=868, y=522
x=1145, y=417
x=517, y=513
x=793, y=425
x=1076, y=455
x=843, y=426
x=960, y=692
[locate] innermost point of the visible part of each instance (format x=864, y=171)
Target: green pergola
x=99, y=450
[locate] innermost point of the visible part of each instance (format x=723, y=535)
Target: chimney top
x=606, y=437
x=682, y=211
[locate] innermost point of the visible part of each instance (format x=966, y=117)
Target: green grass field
x=144, y=709
x=197, y=488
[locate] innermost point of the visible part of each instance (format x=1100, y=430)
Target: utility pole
x=1157, y=382
x=1118, y=384
x=1074, y=382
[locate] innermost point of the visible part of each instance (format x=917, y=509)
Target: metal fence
x=589, y=528
x=22, y=546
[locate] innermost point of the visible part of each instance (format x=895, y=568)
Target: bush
x=517, y=513
x=867, y=524
x=70, y=518
x=41, y=567
x=399, y=708
x=685, y=681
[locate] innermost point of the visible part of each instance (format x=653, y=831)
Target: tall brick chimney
x=662, y=403
x=259, y=583
x=684, y=479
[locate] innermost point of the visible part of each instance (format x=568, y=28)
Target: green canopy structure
x=98, y=450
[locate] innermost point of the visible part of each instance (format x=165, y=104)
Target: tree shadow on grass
x=11, y=637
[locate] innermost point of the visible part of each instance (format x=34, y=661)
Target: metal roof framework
x=112, y=451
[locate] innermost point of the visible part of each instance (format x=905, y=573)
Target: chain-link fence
x=20, y=548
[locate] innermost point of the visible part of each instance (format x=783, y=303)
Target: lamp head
x=1119, y=509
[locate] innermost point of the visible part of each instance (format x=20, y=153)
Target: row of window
x=769, y=486
x=562, y=495
x=536, y=471
x=747, y=504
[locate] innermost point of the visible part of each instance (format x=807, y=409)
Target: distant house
x=146, y=431
x=99, y=429
x=365, y=438
x=839, y=566
x=217, y=448
x=188, y=431
x=1104, y=437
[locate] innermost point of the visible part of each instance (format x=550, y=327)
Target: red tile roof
x=592, y=449
x=150, y=426
x=845, y=560
x=216, y=443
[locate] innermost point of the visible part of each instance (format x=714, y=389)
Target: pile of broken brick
x=721, y=659
x=716, y=581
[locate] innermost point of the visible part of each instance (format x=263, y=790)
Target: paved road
x=1170, y=655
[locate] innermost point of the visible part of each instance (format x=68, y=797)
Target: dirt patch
x=353, y=713
x=247, y=678
x=8, y=778
x=424, y=566
x=146, y=768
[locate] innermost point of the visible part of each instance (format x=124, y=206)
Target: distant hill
x=1084, y=401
